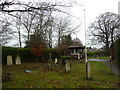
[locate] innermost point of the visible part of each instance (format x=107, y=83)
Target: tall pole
x=85, y=38
x=86, y=60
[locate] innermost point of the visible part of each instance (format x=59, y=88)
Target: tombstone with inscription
x=9, y=60
x=67, y=66
x=18, y=60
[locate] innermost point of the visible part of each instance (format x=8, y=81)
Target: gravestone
x=18, y=60
x=67, y=66
x=9, y=60
x=56, y=60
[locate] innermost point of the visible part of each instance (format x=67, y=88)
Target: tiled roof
x=76, y=45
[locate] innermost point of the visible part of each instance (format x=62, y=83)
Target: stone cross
x=67, y=66
x=18, y=60
x=9, y=60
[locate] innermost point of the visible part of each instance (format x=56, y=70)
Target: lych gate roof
x=77, y=45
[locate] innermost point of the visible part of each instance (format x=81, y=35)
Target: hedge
x=64, y=58
x=117, y=50
x=97, y=53
x=54, y=53
x=25, y=54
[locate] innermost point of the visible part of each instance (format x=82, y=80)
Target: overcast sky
x=93, y=8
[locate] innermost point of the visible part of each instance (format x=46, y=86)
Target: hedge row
x=95, y=54
x=117, y=50
x=25, y=54
x=64, y=58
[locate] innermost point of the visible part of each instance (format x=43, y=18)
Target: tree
x=37, y=50
x=63, y=27
x=27, y=20
x=17, y=24
x=5, y=32
x=66, y=40
x=104, y=29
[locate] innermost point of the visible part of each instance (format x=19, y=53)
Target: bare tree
x=27, y=20
x=5, y=31
x=64, y=27
x=104, y=29
x=17, y=31
x=32, y=18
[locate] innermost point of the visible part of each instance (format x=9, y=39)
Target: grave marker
x=9, y=60
x=55, y=60
x=18, y=60
x=67, y=66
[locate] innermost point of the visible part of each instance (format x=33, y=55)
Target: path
x=115, y=68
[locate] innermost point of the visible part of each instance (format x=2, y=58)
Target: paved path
x=115, y=69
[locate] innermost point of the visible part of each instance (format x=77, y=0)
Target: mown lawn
x=56, y=77
x=103, y=58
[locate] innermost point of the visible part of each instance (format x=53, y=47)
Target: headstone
x=18, y=60
x=9, y=60
x=55, y=60
x=67, y=66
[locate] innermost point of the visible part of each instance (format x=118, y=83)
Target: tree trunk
x=20, y=39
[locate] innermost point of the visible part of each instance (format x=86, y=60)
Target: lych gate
x=76, y=50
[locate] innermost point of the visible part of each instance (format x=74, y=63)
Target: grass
x=56, y=77
x=99, y=58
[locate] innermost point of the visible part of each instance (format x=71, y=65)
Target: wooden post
x=87, y=70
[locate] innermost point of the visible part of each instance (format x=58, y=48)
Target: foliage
x=24, y=53
x=37, y=50
x=66, y=40
x=105, y=29
x=54, y=53
x=42, y=77
x=64, y=58
x=117, y=50
x=96, y=54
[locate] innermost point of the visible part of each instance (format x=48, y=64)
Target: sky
x=93, y=8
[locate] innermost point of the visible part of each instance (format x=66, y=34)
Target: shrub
x=97, y=53
x=64, y=58
x=54, y=53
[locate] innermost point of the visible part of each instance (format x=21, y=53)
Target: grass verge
x=56, y=77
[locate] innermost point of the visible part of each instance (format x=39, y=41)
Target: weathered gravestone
x=18, y=60
x=67, y=66
x=9, y=60
x=56, y=60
